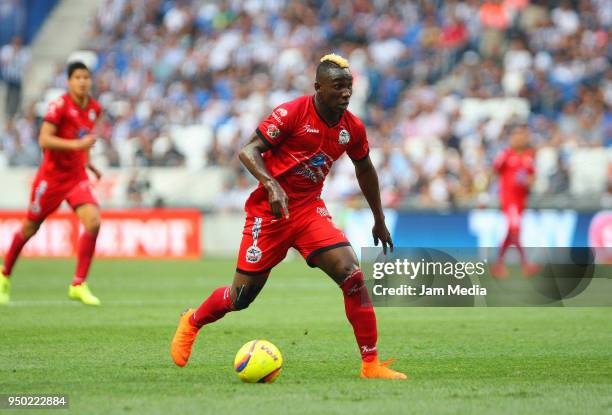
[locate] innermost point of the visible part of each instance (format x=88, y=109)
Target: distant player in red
x=290, y=154
x=65, y=138
x=515, y=167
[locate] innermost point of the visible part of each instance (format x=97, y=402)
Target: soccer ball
x=258, y=361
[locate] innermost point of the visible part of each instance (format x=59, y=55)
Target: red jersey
x=514, y=169
x=72, y=122
x=303, y=148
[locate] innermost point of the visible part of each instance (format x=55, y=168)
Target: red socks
x=213, y=308
x=19, y=240
x=357, y=305
x=85, y=252
x=360, y=313
x=512, y=238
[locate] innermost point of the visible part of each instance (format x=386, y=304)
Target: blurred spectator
x=138, y=190
x=14, y=60
x=184, y=83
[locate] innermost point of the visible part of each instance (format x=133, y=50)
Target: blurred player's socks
x=213, y=308
x=360, y=314
x=512, y=238
x=85, y=251
x=19, y=240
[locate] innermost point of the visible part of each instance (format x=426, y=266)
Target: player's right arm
x=250, y=157
x=48, y=140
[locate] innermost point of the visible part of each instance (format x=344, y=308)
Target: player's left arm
x=368, y=182
x=90, y=166
x=93, y=169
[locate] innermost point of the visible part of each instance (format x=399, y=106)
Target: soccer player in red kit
x=515, y=167
x=290, y=154
x=65, y=138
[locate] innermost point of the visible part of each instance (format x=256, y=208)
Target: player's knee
x=343, y=270
x=242, y=297
x=92, y=224
x=242, y=303
x=353, y=283
x=30, y=228
x=514, y=228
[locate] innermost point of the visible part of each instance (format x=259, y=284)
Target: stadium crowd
x=426, y=75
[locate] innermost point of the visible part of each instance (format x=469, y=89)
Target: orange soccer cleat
x=377, y=370
x=499, y=271
x=183, y=340
x=530, y=270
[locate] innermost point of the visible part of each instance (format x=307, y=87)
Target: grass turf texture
x=114, y=359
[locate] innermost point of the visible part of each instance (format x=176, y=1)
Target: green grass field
x=114, y=359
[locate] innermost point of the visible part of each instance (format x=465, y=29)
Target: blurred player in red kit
x=290, y=154
x=65, y=138
x=515, y=167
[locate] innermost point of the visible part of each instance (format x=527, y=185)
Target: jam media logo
x=344, y=137
x=273, y=131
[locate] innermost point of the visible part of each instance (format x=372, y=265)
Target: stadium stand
x=184, y=83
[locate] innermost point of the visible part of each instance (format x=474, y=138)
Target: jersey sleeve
x=278, y=126
x=55, y=111
x=531, y=165
x=500, y=161
x=358, y=148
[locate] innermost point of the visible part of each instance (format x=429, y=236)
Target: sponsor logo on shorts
x=253, y=253
x=273, y=131
x=344, y=137
x=38, y=193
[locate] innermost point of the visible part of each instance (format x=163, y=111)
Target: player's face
x=519, y=138
x=335, y=90
x=79, y=82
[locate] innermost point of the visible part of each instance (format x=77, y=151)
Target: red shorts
x=266, y=240
x=47, y=196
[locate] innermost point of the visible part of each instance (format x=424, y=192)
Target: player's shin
x=360, y=314
x=213, y=308
x=19, y=240
x=85, y=251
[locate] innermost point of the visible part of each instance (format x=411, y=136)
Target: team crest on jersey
x=344, y=137
x=273, y=131
x=281, y=111
x=253, y=254
x=92, y=115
